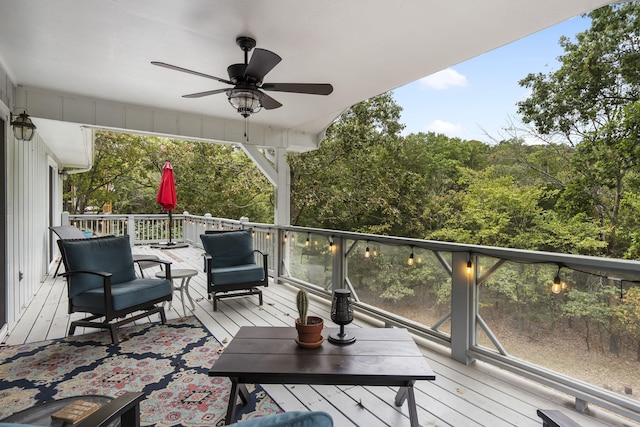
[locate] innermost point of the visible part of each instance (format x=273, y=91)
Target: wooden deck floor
x=475, y=395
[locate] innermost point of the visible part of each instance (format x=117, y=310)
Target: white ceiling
x=102, y=49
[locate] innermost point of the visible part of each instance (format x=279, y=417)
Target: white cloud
x=452, y=130
x=444, y=80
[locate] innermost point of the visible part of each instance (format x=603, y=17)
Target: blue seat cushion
x=290, y=419
x=108, y=254
x=229, y=248
x=237, y=274
x=124, y=295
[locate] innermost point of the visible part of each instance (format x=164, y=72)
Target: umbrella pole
x=170, y=227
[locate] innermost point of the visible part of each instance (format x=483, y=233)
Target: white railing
x=451, y=287
x=142, y=229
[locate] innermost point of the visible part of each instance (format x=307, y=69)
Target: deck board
x=474, y=395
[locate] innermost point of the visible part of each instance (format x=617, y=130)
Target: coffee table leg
x=244, y=393
x=401, y=396
x=233, y=397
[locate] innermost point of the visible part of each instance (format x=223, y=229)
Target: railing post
x=338, y=259
x=463, y=306
x=131, y=229
x=280, y=249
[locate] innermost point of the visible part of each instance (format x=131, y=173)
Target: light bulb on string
x=556, y=287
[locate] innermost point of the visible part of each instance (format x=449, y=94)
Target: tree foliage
x=591, y=103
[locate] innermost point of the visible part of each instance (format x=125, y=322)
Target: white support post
x=463, y=307
x=338, y=267
x=277, y=171
x=131, y=228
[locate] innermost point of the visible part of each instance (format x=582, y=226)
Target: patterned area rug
x=169, y=363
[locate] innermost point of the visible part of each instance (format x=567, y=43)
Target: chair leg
x=260, y=297
x=163, y=317
x=114, y=334
x=57, y=268
x=215, y=301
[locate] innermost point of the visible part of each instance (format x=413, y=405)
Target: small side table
x=185, y=274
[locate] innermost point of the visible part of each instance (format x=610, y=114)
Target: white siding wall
x=27, y=171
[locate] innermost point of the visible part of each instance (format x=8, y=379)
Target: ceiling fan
x=247, y=95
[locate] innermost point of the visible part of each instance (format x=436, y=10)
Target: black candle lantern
x=341, y=314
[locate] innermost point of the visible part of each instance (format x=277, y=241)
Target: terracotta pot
x=310, y=335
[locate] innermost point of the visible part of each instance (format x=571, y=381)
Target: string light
x=307, y=242
x=410, y=260
x=469, y=267
x=367, y=252
x=556, y=288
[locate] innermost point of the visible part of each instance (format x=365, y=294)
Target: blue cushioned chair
x=101, y=280
x=290, y=419
x=231, y=266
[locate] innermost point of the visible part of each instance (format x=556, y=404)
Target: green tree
x=216, y=179
x=119, y=165
x=348, y=183
x=586, y=102
x=629, y=314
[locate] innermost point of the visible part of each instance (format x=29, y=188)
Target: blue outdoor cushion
x=126, y=294
x=229, y=248
x=108, y=254
x=290, y=419
x=237, y=274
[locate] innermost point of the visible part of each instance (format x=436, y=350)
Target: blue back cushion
x=229, y=248
x=106, y=254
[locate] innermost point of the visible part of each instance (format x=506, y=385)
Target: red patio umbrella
x=167, y=193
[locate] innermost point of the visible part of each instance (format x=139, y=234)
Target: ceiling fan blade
x=185, y=70
x=309, y=88
x=262, y=61
x=207, y=93
x=267, y=102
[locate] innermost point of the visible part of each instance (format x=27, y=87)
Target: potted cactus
x=309, y=327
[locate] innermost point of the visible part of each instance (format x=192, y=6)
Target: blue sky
x=479, y=96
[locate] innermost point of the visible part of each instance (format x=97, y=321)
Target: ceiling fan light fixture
x=246, y=102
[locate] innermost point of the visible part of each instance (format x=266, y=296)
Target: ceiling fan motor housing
x=236, y=72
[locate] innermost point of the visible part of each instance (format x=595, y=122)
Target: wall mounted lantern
x=23, y=127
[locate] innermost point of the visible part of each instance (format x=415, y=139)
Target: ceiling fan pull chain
x=246, y=129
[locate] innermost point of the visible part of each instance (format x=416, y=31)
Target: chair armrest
x=157, y=261
x=126, y=407
x=264, y=256
x=167, y=265
x=96, y=273
x=208, y=259
x=265, y=265
x=106, y=284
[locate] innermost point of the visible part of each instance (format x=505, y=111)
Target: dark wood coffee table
x=269, y=355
